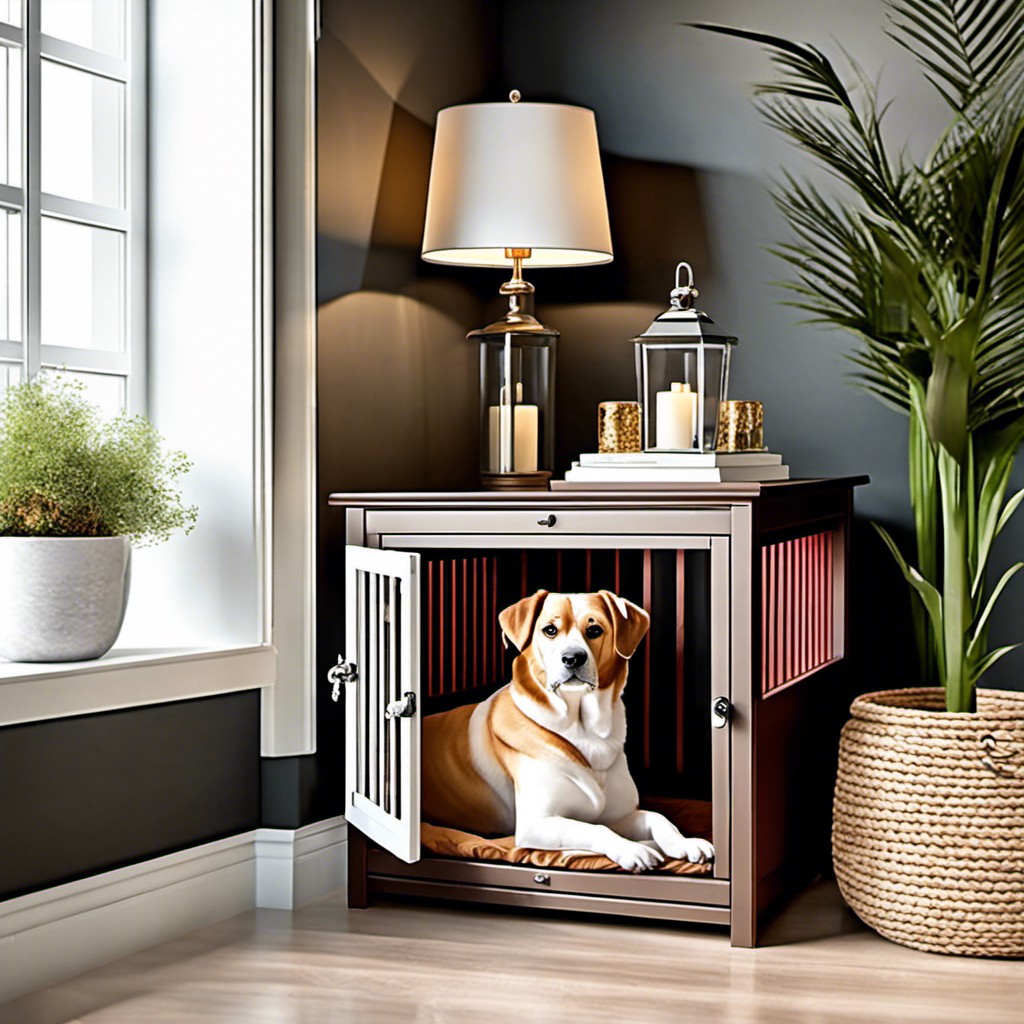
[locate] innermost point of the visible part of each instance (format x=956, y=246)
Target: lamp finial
x=515, y=95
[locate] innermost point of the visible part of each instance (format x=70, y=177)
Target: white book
x=668, y=475
x=680, y=460
x=629, y=485
x=625, y=474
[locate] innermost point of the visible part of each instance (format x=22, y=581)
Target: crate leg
x=743, y=931
x=358, y=896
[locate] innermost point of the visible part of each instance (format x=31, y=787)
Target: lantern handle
x=683, y=296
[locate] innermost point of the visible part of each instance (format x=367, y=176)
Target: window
x=231, y=606
x=72, y=195
x=199, y=617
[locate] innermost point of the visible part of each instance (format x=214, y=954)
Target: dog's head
x=578, y=641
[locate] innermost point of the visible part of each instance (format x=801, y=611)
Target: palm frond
x=805, y=68
x=879, y=378
x=833, y=247
x=964, y=46
x=839, y=146
x=845, y=136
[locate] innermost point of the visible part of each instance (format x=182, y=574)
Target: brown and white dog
x=544, y=755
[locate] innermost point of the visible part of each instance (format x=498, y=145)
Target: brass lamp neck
x=517, y=290
x=518, y=319
x=517, y=286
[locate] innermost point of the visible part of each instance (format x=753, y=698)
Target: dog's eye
x=550, y=629
x=593, y=631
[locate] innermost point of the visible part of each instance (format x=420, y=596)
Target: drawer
x=547, y=521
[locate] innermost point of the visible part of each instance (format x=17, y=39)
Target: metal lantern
x=517, y=387
x=682, y=374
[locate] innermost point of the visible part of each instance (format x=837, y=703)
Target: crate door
x=382, y=703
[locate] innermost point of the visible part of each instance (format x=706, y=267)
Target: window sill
x=126, y=678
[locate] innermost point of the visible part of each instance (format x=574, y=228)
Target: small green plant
x=65, y=472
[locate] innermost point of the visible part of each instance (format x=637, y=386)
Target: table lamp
x=516, y=185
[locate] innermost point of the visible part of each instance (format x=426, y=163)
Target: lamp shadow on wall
x=397, y=380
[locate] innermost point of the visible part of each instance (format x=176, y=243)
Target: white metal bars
x=382, y=749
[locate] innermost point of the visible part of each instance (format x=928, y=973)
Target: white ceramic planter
x=63, y=598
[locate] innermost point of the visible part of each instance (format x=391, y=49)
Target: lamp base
x=515, y=481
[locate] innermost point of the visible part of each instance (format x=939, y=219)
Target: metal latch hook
x=343, y=672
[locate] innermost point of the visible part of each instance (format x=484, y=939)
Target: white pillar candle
x=676, y=417
x=526, y=419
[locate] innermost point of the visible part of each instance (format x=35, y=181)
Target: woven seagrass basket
x=928, y=820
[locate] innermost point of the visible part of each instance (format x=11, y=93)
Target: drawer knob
x=542, y=879
x=547, y=521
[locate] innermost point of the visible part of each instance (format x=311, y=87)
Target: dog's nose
x=573, y=657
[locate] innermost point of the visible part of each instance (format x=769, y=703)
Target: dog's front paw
x=635, y=857
x=696, y=851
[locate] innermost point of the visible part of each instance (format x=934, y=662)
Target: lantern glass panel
x=716, y=382
x=680, y=386
x=517, y=382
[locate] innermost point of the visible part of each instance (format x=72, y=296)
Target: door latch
x=721, y=712
x=343, y=672
x=404, y=708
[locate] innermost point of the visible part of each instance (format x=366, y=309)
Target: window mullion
x=31, y=226
x=137, y=182
x=83, y=59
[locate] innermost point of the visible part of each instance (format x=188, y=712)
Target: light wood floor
x=429, y=964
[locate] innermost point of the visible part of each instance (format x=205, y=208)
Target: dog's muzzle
x=575, y=667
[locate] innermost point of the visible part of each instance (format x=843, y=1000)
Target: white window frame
x=34, y=204
x=278, y=520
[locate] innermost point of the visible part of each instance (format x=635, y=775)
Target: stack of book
x=651, y=469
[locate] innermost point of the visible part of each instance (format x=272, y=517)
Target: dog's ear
x=517, y=619
x=629, y=621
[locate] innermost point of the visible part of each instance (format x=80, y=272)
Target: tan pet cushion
x=450, y=842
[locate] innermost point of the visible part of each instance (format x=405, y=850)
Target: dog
x=543, y=757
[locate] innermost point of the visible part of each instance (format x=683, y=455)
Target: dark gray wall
x=95, y=792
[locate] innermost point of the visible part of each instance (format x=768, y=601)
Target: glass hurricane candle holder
x=517, y=381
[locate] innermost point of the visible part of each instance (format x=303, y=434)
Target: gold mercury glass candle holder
x=618, y=427
x=740, y=426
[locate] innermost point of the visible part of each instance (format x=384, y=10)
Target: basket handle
x=1001, y=757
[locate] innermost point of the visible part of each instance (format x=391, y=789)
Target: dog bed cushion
x=690, y=816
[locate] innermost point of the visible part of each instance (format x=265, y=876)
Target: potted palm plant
x=75, y=494
x=924, y=264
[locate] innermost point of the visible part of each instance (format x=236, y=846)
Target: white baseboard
x=294, y=867
x=56, y=933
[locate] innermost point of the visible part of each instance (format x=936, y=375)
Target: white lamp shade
x=516, y=176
